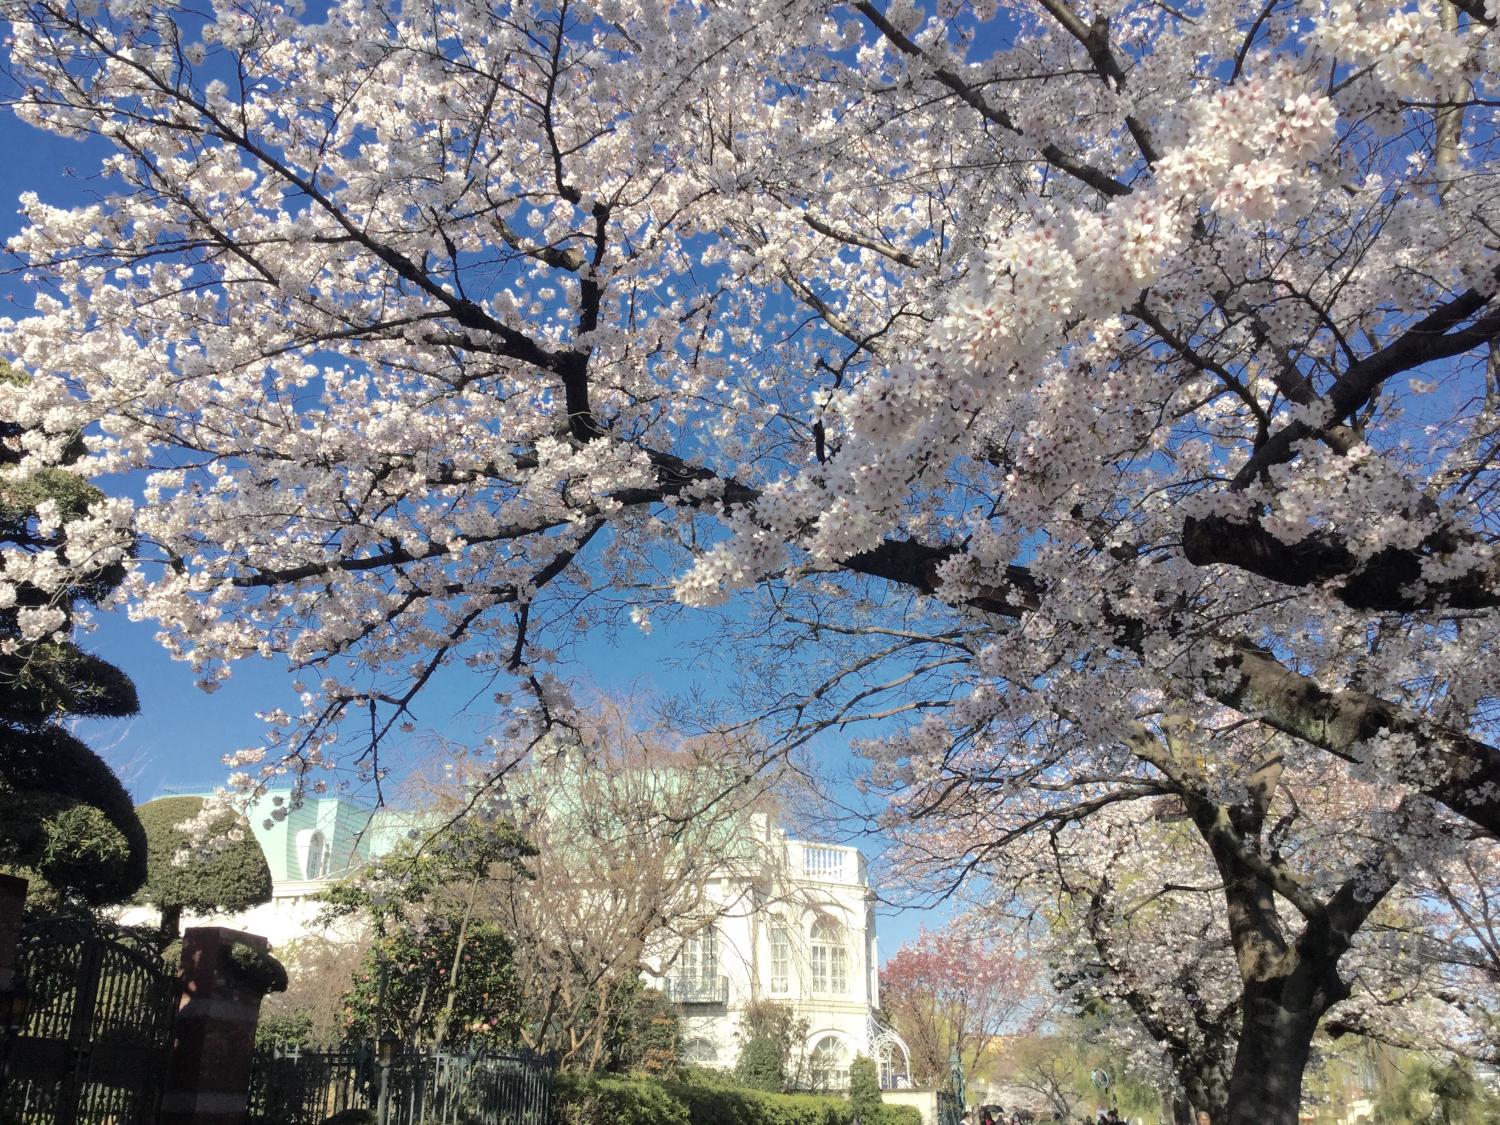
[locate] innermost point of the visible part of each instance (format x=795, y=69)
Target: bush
x=97, y=856
x=234, y=878
x=594, y=1099
x=759, y=1065
x=284, y=1029
x=590, y=1099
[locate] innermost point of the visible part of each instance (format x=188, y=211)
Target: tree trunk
x=171, y=924
x=1208, y=1091
x=1275, y=1040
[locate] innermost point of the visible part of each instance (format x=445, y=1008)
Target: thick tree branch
x=1390, y=580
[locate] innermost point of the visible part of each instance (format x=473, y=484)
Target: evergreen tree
x=759, y=1063
x=864, y=1090
x=232, y=876
x=447, y=983
x=65, y=819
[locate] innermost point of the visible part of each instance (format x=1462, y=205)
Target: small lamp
x=386, y=1047
x=15, y=1006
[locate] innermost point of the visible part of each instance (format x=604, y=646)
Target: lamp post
x=385, y=1054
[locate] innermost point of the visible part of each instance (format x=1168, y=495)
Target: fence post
x=208, y=1075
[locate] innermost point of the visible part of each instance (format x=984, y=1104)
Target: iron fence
x=291, y=1086
x=95, y=1043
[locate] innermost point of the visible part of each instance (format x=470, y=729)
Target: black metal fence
x=292, y=1086
x=99, y=1026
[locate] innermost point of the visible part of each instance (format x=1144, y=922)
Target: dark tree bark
x=1290, y=977
x=1266, y=1087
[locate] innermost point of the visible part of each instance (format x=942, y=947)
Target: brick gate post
x=12, y=903
x=208, y=1075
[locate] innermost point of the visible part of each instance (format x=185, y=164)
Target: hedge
x=587, y=1099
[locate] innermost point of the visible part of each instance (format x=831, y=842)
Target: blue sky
x=181, y=733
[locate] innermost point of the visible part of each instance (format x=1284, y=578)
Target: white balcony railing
x=828, y=863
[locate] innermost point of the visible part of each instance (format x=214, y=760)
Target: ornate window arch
x=828, y=1063
x=891, y=1055
x=828, y=958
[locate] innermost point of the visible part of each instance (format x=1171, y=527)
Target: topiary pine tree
x=864, y=1090
x=233, y=877
x=65, y=819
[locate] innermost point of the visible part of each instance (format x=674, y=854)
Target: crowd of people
x=996, y=1115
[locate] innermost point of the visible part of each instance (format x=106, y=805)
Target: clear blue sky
x=181, y=733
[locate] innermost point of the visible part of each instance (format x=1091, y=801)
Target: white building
x=802, y=932
x=307, y=848
x=798, y=929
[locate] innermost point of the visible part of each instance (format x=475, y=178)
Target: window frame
x=828, y=955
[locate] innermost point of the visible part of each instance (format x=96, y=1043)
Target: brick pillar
x=12, y=902
x=208, y=1076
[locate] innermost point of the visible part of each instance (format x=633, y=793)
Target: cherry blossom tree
x=1211, y=894
x=1145, y=346
x=956, y=989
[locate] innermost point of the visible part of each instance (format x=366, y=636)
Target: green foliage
x=1430, y=1093
x=289, y=1029
x=416, y=873
x=232, y=877
x=648, y=1037
x=700, y=1099
x=864, y=1089
x=590, y=1099
x=436, y=992
x=779, y=1023
x=759, y=1064
x=65, y=818
x=255, y=966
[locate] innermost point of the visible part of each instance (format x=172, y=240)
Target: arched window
x=312, y=851
x=829, y=958
x=700, y=1052
x=829, y=1064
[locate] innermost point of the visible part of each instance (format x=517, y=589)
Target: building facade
x=800, y=932
x=797, y=928
x=308, y=848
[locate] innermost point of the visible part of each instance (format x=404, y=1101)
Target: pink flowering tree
x=1144, y=348
x=957, y=989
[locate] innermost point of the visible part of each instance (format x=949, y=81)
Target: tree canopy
x=1055, y=375
x=221, y=870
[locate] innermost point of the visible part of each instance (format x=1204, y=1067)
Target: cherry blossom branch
x=1100, y=181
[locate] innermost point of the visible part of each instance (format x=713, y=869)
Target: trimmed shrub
x=589, y=1099
x=864, y=1090
x=759, y=1064
x=44, y=773
x=235, y=878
